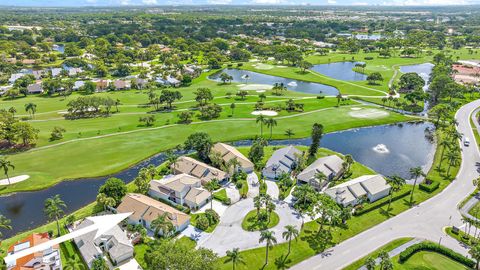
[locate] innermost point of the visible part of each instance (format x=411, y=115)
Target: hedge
x=374, y=206
x=429, y=188
x=429, y=246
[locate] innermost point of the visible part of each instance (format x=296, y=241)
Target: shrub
x=239, y=64
x=202, y=222
x=212, y=216
x=320, y=97
x=429, y=186
x=238, y=185
x=368, y=58
x=428, y=246
x=379, y=204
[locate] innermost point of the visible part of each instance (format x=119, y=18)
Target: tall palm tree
x=396, y=183
x=290, y=233
x=257, y=203
x=475, y=253
x=453, y=159
x=261, y=120
x=172, y=158
x=53, y=209
x=320, y=177
x=31, y=108
x=289, y=132
x=269, y=238
x=235, y=257
x=233, y=165
x=444, y=144
x=161, y=223
x=6, y=165
x=211, y=186
x=4, y=224
x=270, y=122
x=415, y=173
x=12, y=110
x=349, y=161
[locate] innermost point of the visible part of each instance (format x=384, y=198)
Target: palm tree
x=349, y=161
x=31, y=108
x=233, y=164
x=339, y=98
x=415, y=173
x=475, y=253
x=4, y=224
x=261, y=119
x=53, y=209
x=232, y=106
x=211, y=186
x=6, y=165
x=270, y=206
x=74, y=263
x=161, y=223
x=444, y=144
x=370, y=263
x=452, y=158
x=269, y=238
x=385, y=262
x=289, y=132
x=270, y=122
x=12, y=110
x=290, y=233
x=235, y=257
x=257, y=203
x=320, y=177
x=396, y=183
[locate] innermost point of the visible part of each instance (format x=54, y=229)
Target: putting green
x=368, y=113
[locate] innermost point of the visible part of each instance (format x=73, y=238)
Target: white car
x=466, y=141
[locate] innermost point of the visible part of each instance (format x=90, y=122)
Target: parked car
x=466, y=141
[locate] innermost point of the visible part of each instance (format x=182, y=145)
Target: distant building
x=193, y=167
x=182, y=189
x=15, y=77
x=330, y=166
x=74, y=71
x=35, y=88
x=282, y=161
x=56, y=72
x=48, y=259
x=146, y=209
x=371, y=187
x=121, y=84
x=78, y=84
x=114, y=242
x=228, y=152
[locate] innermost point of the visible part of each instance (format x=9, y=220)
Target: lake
x=291, y=84
x=340, y=71
x=402, y=146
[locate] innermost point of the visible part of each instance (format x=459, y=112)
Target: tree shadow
x=282, y=262
x=318, y=241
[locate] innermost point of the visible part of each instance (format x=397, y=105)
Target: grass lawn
x=194, y=218
x=475, y=210
x=105, y=155
x=220, y=195
x=387, y=247
x=251, y=223
x=244, y=189
x=428, y=260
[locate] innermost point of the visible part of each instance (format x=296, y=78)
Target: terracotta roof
x=144, y=207
x=229, y=152
x=193, y=167
x=33, y=240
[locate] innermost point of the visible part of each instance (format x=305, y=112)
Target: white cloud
x=269, y=2
x=219, y=2
x=426, y=2
x=149, y=2
x=124, y=2
x=91, y=1
x=359, y=4
x=331, y=2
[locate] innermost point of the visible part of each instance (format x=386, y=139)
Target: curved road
x=425, y=220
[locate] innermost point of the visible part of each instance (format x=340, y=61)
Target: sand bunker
x=265, y=113
x=368, y=113
x=249, y=87
x=356, y=109
x=13, y=180
x=263, y=66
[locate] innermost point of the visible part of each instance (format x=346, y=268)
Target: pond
x=59, y=48
x=340, y=71
x=291, y=84
x=407, y=146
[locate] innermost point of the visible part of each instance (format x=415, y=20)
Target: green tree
x=262, y=120
x=304, y=65
x=225, y=78
x=6, y=165
x=370, y=263
x=200, y=142
x=26, y=133
x=99, y=264
x=385, y=261
x=57, y=133
x=53, y=209
x=168, y=96
x=374, y=77
x=291, y=232
x=31, y=108
x=74, y=263
x=203, y=96
x=415, y=172
x=270, y=122
x=235, y=257
x=162, y=224
x=232, y=107
x=396, y=183
x=289, y=133
x=4, y=224
x=317, y=134
x=269, y=238
x=211, y=187
x=475, y=253
x=114, y=188
x=149, y=120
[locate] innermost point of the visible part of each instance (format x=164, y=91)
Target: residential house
x=182, y=189
x=146, y=209
x=48, y=259
x=74, y=71
x=101, y=84
x=168, y=81
x=228, y=152
x=56, y=72
x=28, y=61
x=193, y=167
x=4, y=89
x=330, y=166
x=15, y=77
x=141, y=83
x=114, y=242
x=371, y=187
x=78, y=84
x=282, y=161
x=121, y=84
x=35, y=88
x=37, y=74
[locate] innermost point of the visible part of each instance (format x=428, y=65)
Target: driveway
x=253, y=185
x=229, y=233
x=217, y=206
x=232, y=192
x=272, y=189
x=194, y=234
x=425, y=220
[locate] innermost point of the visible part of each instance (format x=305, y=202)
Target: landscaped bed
x=262, y=220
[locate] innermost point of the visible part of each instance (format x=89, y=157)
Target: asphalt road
x=425, y=220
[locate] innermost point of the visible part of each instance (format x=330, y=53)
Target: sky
x=77, y=3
